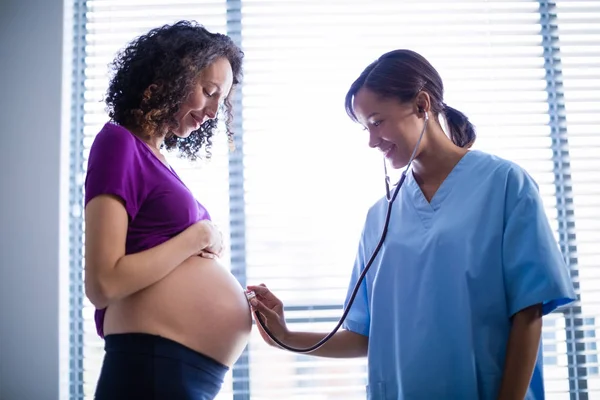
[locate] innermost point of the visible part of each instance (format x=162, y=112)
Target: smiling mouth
x=197, y=119
x=387, y=153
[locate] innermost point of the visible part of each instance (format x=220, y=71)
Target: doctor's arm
x=521, y=353
x=536, y=280
x=344, y=344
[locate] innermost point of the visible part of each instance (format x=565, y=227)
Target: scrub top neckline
x=426, y=209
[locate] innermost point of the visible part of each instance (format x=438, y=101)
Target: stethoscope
x=390, y=199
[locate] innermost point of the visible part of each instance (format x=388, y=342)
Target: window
x=104, y=27
x=294, y=196
x=577, y=65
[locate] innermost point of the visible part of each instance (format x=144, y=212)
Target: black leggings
x=149, y=367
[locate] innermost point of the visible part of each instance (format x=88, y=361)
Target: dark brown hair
x=402, y=74
x=154, y=74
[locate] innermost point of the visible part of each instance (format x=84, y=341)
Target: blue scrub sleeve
x=358, y=319
x=534, y=268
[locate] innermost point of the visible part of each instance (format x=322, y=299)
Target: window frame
x=575, y=329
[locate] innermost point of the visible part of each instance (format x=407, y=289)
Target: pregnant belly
x=200, y=305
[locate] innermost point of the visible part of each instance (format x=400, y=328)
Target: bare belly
x=200, y=305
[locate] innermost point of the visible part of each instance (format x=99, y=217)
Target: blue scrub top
x=437, y=301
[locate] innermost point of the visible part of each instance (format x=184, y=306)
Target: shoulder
x=487, y=162
x=115, y=167
x=374, y=220
x=114, y=136
x=508, y=187
x=503, y=173
x=378, y=209
x=115, y=142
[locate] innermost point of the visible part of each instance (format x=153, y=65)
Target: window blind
x=294, y=195
x=575, y=33
x=310, y=176
x=108, y=27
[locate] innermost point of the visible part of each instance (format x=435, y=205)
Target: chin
x=183, y=135
x=398, y=164
x=398, y=160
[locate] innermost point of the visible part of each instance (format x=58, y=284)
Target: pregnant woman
x=173, y=319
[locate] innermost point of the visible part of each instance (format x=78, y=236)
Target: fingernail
x=254, y=302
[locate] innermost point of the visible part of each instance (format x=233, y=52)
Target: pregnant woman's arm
x=110, y=274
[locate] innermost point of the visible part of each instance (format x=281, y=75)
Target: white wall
x=34, y=137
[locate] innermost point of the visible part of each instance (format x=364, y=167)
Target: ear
x=422, y=103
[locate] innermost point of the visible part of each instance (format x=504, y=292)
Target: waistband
x=158, y=346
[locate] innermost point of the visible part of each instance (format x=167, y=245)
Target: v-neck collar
x=156, y=159
x=426, y=209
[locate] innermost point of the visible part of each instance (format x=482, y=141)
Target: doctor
x=452, y=307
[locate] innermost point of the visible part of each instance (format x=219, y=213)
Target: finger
x=262, y=308
x=261, y=330
x=206, y=254
x=261, y=290
x=264, y=294
x=212, y=250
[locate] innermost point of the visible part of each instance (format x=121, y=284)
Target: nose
x=211, y=110
x=211, y=113
x=374, y=141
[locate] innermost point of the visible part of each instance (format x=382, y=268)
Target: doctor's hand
x=270, y=309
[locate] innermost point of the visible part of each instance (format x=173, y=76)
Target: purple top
x=158, y=203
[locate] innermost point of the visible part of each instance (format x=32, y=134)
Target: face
x=393, y=127
x=212, y=87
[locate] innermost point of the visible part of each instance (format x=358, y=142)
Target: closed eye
x=208, y=94
x=377, y=123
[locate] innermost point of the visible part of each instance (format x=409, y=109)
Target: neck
x=438, y=157
x=153, y=141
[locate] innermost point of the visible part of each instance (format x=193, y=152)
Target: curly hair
x=154, y=74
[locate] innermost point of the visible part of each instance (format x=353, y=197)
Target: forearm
x=521, y=353
x=135, y=272
x=344, y=344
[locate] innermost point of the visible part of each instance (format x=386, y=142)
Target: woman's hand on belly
x=200, y=304
x=214, y=246
x=206, y=254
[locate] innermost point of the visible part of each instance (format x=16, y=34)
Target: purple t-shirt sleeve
x=114, y=169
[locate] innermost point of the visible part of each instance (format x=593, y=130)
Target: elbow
x=364, y=348
x=357, y=342
x=97, y=292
